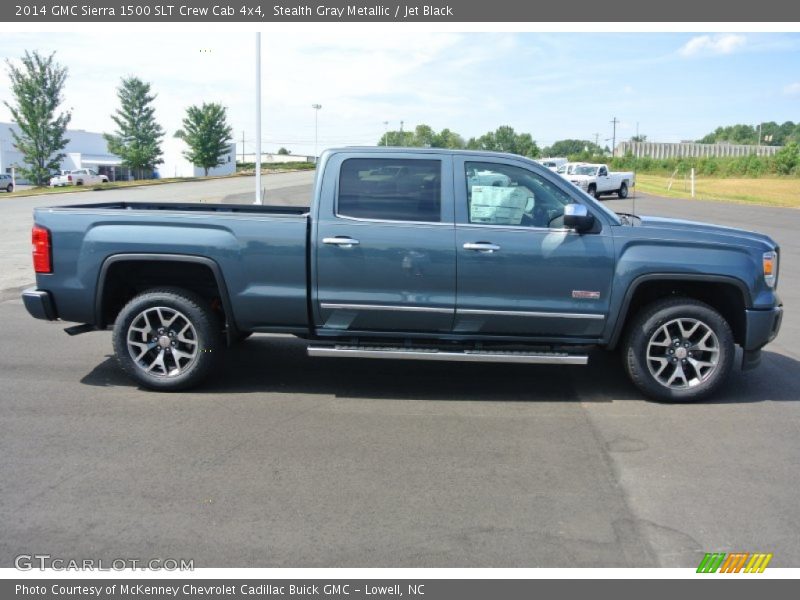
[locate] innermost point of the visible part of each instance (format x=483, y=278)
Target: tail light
x=42, y=251
x=69, y=177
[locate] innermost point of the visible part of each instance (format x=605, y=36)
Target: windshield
x=585, y=170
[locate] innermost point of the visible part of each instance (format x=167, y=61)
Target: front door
x=520, y=272
x=385, y=246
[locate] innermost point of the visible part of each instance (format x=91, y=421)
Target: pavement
x=285, y=460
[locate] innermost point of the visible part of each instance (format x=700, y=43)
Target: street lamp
x=316, y=108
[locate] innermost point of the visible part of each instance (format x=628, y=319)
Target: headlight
x=770, y=263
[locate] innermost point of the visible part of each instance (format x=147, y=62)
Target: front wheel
x=679, y=350
x=623, y=190
x=167, y=339
x=9, y=188
x=592, y=189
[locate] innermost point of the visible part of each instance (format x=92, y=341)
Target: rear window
x=391, y=189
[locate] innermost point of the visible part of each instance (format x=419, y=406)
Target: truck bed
x=271, y=210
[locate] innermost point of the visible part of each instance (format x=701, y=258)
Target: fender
x=188, y=258
x=623, y=310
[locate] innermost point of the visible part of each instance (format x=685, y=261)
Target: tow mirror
x=578, y=217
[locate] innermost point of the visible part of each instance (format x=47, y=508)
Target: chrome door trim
x=524, y=313
x=397, y=307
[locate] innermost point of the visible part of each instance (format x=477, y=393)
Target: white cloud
x=792, y=89
x=724, y=43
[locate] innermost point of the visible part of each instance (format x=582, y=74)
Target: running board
x=499, y=356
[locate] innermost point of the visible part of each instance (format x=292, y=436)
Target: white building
x=176, y=165
x=85, y=150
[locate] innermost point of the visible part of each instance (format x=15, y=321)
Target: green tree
x=138, y=137
x=37, y=89
x=572, y=147
x=448, y=139
x=505, y=139
x=283, y=151
x=639, y=138
x=208, y=135
x=787, y=159
x=397, y=138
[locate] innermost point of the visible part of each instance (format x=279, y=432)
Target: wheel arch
x=728, y=295
x=116, y=261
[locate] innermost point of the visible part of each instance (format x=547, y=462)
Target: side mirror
x=578, y=217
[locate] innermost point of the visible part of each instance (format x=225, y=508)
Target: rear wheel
x=592, y=189
x=167, y=339
x=623, y=190
x=10, y=188
x=679, y=350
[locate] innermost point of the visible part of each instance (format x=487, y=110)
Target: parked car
x=596, y=180
x=441, y=267
x=552, y=163
x=78, y=177
x=568, y=168
x=6, y=183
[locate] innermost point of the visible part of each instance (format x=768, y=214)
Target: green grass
x=767, y=191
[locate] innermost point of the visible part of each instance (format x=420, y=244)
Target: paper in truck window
x=496, y=205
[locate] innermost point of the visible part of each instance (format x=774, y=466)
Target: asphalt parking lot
x=290, y=461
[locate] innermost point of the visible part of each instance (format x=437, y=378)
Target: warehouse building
x=691, y=150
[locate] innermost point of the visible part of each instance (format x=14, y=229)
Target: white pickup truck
x=78, y=177
x=598, y=180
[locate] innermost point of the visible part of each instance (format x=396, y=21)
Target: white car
x=6, y=184
x=553, y=163
x=598, y=180
x=568, y=169
x=78, y=177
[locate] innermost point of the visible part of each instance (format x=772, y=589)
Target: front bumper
x=39, y=304
x=762, y=326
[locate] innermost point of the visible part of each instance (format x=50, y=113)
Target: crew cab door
x=384, y=255
x=519, y=271
x=604, y=182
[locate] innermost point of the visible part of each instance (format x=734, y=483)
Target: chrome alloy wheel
x=682, y=353
x=162, y=341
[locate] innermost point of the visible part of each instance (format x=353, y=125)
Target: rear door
x=519, y=271
x=385, y=244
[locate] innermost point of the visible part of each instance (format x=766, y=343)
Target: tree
x=36, y=87
x=573, y=147
x=138, y=137
x=639, y=138
x=208, y=135
x=283, y=151
x=505, y=139
x=787, y=159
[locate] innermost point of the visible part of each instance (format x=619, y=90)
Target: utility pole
x=759, y=135
x=386, y=133
x=316, y=108
x=597, y=139
x=258, y=118
x=242, y=146
x=614, y=122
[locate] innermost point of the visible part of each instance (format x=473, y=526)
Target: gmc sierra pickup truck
x=420, y=254
x=597, y=180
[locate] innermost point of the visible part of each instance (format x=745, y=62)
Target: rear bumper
x=39, y=304
x=762, y=327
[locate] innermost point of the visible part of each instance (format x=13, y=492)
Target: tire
x=104, y=180
x=670, y=373
x=592, y=190
x=623, y=190
x=9, y=188
x=177, y=334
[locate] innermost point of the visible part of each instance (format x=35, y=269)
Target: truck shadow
x=280, y=365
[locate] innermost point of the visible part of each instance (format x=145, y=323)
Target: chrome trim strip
x=470, y=356
x=390, y=221
x=524, y=313
x=397, y=307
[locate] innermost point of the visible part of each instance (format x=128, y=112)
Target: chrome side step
x=498, y=356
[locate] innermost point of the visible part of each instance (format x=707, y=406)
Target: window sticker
x=496, y=205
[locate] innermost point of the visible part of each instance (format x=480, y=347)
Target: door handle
x=342, y=242
x=486, y=247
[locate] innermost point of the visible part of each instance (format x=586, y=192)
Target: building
x=268, y=157
x=661, y=150
x=176, y=165
x=85, y=150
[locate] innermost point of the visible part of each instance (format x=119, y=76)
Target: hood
x=695, y=227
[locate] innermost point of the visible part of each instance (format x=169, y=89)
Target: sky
x=672, y=86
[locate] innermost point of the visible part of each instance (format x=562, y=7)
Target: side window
x=603, y=171
x=390, y=189
x=499, y=194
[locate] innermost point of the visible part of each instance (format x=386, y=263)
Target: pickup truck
x=597, y=180
x=457, y=256
x=78, y=177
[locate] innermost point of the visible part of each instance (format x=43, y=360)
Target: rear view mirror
x=578, y=217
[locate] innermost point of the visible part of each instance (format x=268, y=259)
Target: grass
x=766, y=191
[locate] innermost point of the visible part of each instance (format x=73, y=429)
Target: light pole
x=316, y=108
x=386, y=133
x=258, y=119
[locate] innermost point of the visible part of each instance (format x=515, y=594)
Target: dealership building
x=88, y=150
